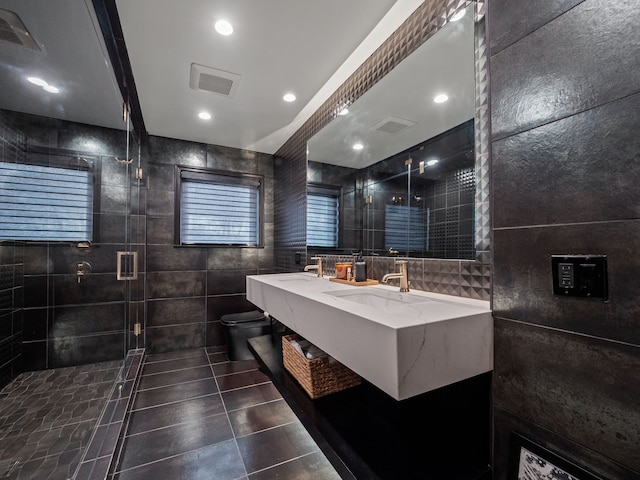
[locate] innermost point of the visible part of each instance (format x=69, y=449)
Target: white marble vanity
x=404, y=343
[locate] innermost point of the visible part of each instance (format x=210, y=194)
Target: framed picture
x=529, y=461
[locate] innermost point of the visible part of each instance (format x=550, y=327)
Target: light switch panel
x=580, y=276
x=566, y=275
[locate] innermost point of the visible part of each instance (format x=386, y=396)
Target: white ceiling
x=277, y=46
x=302, y=46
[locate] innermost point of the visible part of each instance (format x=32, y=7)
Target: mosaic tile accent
x=482, y=142
x=474, y=277
x=47, y=418
x=419, y=27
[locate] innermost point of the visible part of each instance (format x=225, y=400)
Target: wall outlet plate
x=580, y=276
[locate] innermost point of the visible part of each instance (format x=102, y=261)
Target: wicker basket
x=318, y=376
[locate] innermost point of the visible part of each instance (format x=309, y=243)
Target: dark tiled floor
x=46, y=419
x=443, y=435
x=198, y=416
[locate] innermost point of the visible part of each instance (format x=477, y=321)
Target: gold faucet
x=317, y=266
x=403, y=275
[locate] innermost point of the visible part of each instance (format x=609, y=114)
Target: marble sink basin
x=294, y=278
x=378, y=298
x=405, y=344
x=392, y=302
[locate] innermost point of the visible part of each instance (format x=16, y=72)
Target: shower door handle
x=127, y=266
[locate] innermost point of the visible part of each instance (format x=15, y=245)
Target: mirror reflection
x=408, y=187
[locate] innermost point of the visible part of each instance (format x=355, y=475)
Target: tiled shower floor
x=46, y=419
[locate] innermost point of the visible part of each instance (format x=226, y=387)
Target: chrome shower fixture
x=83, y=269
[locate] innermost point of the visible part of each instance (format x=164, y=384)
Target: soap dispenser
x=360, y=269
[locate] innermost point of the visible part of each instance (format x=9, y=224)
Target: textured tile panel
x=547, y=376
x=505, y=423
x=513, y=20
x=588, y=63
x=576, y=169
x=522, y=285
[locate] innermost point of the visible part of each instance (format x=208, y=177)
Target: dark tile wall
x=565, y=150
x=65, y=322
x=190, y=288
x=182, y=291
x=12, y=148
x=461, y=278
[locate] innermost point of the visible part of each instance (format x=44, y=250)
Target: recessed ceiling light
x=358, y=146
x=204, y=115
x=441, y=98
x=431, y=163
x=289, y=97
x=223, y=27
x=51, y=89
x=458, y=15
x=37, y=81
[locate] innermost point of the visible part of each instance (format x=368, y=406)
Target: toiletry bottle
x=360, y=267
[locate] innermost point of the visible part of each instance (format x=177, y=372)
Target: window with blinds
x=405, y=229
x=43, y=203
x=323, y=216
x=218, y=209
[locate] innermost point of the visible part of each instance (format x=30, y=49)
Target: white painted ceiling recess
x=277, y=47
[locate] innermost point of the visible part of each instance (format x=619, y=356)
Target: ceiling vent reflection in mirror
x=392, y=125
x=13, y=31
x=213, y=80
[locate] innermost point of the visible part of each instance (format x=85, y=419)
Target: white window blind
x=42, y=203
x=219, y=210
x=323, y=220
x=404, y=228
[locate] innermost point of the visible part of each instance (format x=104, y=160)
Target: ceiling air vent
x=212, y=80
x=392, y=125
x=13, y=31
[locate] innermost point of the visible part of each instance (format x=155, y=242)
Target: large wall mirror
x=401, y=163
